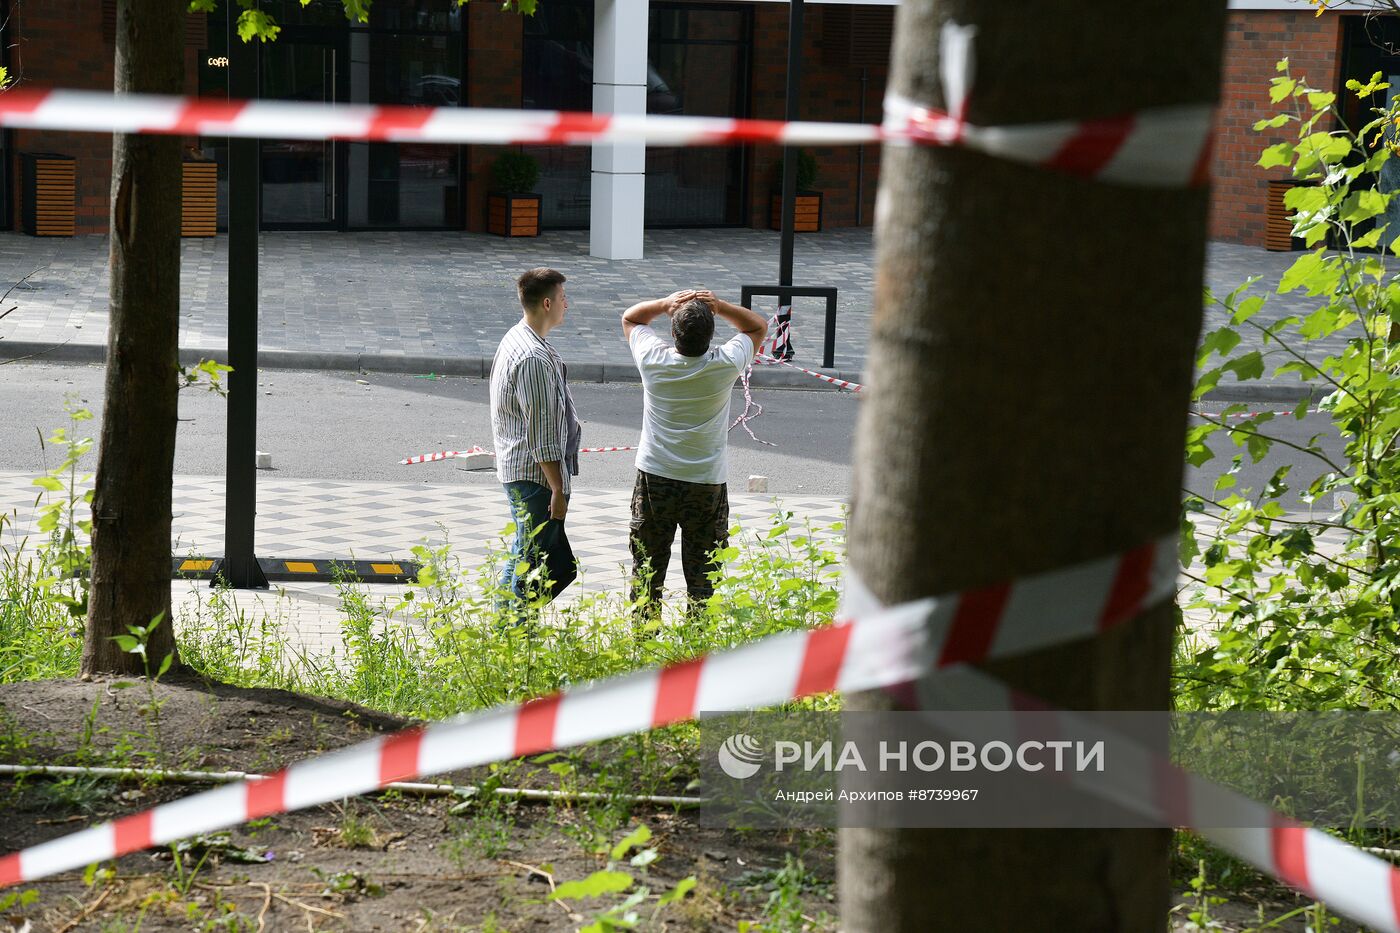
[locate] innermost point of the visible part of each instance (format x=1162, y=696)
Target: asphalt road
x=358, y=426
x=352, y=426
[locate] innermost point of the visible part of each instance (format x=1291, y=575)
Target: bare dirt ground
x=386, y=862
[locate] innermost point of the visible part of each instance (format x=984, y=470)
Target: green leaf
x=638, y=837
x=127, y=643
x=1279, y=154
x=1273, y=122
x=49, y=483
x=1247, y=309
x=1311, y=270
x=1220, y=341
x=682, y=888
x=1281, y=88
x=1248, y=366
x=1281, y=65
x=1321, y=100
x=1305, y=199
x=1363, y=205
x=1370, y=240
x=595, y=885
x=255, y=24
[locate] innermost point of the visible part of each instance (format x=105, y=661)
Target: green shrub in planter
x=514, y=173
x=806, y=172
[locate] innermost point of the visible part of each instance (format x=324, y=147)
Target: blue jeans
x=529, y=506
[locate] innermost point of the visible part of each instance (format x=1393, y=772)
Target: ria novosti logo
x=740, y=756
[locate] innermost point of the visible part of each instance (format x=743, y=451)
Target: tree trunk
x=131, y=508
x=1030, y=365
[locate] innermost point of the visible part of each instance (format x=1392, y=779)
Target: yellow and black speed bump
x=311, y=570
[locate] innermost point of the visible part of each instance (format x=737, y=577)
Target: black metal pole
x=794, y=79
x=860, y=153
x=240, y=566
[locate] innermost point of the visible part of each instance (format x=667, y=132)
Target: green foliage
x=208, y=373
x=806, y=172
x=253, y=23
x=4, y=78
x=1301, y=610
x=613, y=879
x=787, y=887
x=514, y=173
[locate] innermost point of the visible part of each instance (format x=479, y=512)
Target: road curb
x=475, y=367
x=479, y=367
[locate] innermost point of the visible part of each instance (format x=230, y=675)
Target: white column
x=617, y=205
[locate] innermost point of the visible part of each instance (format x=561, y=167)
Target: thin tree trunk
x=1030, y=364
x=131, y=509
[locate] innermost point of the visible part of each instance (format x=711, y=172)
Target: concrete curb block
x=1260, y=393
x=478, y=367
x=474, y=367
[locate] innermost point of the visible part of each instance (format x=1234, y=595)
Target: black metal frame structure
x=787, y=293
x=6, y=137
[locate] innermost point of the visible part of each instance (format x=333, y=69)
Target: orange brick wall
x=61, y=43
x=494, y=61
x=827, y=93
x=1254, y=41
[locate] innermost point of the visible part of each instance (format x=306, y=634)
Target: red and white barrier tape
x=1165, y=147
x=479, y=452
x=839, y=383
x=1252, y=414
x=888, y=647
x=881, y=647
x=780, y=333
x=1351, y=881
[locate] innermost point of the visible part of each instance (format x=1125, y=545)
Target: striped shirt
x=531, y=411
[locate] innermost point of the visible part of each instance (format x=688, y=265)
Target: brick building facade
x=61, y=43
x=1254, y=41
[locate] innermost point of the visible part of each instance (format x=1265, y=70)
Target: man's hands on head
x=674, y=301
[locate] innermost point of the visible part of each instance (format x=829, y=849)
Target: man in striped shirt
x=536, y=434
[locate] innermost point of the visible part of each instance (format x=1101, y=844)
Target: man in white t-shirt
x=681, y=468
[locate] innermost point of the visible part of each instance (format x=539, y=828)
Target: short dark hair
x=536, y=285
x=693, y=324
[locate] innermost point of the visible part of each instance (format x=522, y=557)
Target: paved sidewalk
x=322, y=519
x=440, y=301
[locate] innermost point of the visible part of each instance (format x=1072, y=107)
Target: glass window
x=698, y=64
x=404, y=184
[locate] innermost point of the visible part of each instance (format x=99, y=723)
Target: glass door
x=299, y=176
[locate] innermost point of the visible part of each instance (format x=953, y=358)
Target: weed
x=614, y=879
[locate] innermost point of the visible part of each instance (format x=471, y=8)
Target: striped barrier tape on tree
x=888, y=647
x=880, y=647
x=1352, y=882
x=479, y=452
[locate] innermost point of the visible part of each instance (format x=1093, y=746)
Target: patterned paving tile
x=311, y=519
x=451, y=294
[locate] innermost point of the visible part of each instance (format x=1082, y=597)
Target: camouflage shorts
x=659, y=506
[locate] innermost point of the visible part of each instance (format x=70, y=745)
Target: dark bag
x=559, y=559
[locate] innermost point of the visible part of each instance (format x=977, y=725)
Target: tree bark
x=131, y=507
x=1029, y=369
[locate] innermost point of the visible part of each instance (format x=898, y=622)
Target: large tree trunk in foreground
x=131, y=510
x=1030, y=365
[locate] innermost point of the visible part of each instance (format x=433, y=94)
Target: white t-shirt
x=685, y=420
